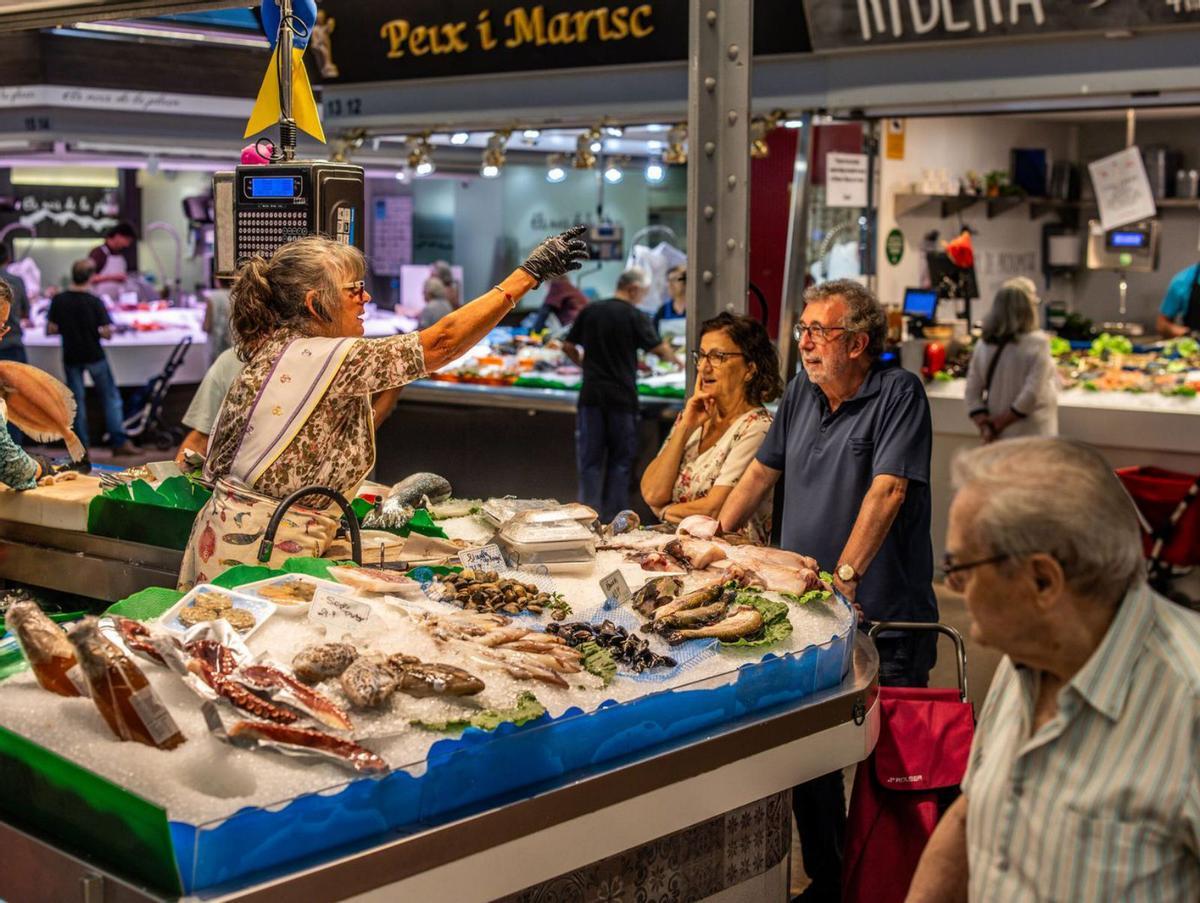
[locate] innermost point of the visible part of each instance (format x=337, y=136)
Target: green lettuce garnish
x=776, y=625
x=527, y=708
x=598, y=661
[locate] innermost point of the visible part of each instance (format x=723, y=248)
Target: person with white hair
x=605, y=339
x=1084, y=778
x=1012, y=387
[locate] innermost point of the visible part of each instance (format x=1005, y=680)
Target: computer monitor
x=948, y=279
x=920, y=302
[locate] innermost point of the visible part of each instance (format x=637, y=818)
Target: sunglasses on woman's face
x=356, y=289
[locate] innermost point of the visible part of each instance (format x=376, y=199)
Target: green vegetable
x=943, y=376
x=527, y=708
x=1184, y=346
x=826, y=577
x=598, y=661
x=1090, y=386
x=1181, y=392
x=1059, y=347
x=1111, y=344
x=776, y=625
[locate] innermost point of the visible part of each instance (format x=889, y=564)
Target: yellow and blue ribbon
x=266, y=110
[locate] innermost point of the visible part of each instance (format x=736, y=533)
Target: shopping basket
x=1167, y=501
x=909, y=780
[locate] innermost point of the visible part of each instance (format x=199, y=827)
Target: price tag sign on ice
x=487, y=558
x=1122, y=188
x=616, y=590
x=338, y=613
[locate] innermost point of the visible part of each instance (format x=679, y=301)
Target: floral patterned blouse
x=723, y=464
x=337, y=444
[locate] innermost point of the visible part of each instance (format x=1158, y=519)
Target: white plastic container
x=548, y=543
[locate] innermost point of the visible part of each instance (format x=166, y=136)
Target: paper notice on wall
x=1122, y=188
x=894, y=139
x=845, y=180
x=392, y=235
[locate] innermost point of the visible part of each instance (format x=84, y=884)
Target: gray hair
x=1061, y=498
x=631, y=277
x=434, y=288
x=1012, y=312
x=864, y=313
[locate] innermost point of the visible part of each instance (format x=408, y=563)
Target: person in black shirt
x=82, y=321
x=611, y=332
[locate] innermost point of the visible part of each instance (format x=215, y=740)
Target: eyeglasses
x=356, y=288
x=955, y=574
x=678, y=277
x=715, y=358
x=821, y=335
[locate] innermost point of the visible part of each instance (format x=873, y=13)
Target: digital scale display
x=1128, y=239
x=271, y=186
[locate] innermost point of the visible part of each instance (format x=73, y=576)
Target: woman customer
x=299, y=413
x=1012, y=387
x=675, y=307
x=717, y=433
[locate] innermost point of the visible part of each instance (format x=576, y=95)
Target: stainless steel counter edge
x=562, y=401
x=94, y=566
x=29, y=863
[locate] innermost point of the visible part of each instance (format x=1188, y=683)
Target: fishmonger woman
x=299, y=414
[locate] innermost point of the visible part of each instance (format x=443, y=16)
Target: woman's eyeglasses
x=822, y=335
x=955, y=574
x=678, y=277
x=356, y=288
x=714, y=358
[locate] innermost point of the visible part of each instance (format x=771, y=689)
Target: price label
x=487, y=558
x=616, y=590
x=338, y=613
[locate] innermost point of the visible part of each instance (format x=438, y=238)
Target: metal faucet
x=268, y=541
x=171, y=231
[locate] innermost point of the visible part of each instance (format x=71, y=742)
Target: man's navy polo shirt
x=829, y=459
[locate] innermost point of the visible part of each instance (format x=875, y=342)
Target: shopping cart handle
x=926, y=626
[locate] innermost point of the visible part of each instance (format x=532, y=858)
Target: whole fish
x=40, y=405
x=742, y=621
x=655, y=593
x=691, y=617
x=704, y=596
x=419, y=490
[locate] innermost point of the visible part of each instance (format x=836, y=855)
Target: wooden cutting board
x=63, y=505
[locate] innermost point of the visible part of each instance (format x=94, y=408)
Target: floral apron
x=230, y=527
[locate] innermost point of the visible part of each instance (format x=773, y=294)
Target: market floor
x=981, y=664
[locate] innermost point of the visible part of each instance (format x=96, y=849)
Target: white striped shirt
x=1103, y=802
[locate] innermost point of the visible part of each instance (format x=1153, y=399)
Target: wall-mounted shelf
x=947, y=205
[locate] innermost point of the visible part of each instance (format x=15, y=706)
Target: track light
x=531, y=135
x=676, y=153
x=613, y=173
x=493, y=154
x=420, y=156
x=554, y=168
x=614, y=130
x=460, y=138
x=587, y=145
x=793, y=124
x=655, y=172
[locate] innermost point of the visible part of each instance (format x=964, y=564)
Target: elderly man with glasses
x=852, y=441
x=1084, y=776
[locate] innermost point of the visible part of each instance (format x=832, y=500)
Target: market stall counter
x=445, y=732
x=1128, y=429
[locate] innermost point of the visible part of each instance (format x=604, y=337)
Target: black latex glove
x=557, y=255
x=45, y=467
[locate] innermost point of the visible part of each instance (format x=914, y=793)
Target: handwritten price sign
x=487, y=558
x=338, y=613
x=616, y=590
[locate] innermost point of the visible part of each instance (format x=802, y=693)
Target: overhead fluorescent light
x=171, y=34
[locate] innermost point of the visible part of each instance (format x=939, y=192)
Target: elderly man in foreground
x=1084, y=779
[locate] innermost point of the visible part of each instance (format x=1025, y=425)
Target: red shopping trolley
x=1167, y=502
x=909, y=780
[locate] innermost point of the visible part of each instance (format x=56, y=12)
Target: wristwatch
x=847, y=574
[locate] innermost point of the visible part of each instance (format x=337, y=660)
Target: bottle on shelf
x=47, y=650
x=121, y=691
